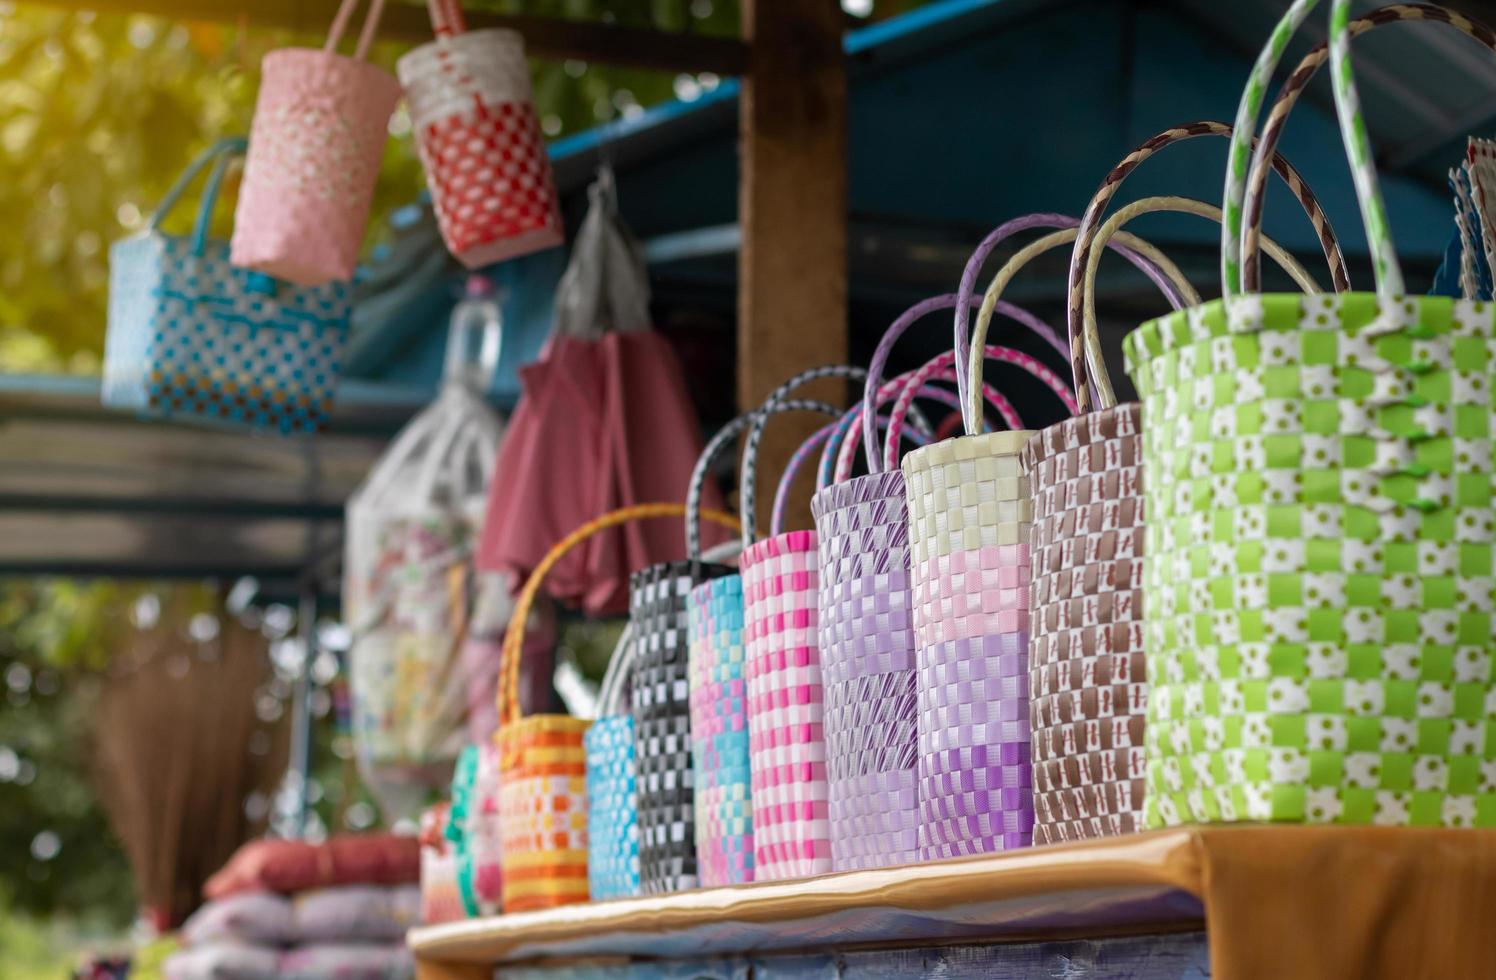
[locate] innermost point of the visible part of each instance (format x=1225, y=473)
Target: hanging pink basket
x=480, y=141
x=314, y=152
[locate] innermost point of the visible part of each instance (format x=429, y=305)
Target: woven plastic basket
x=543, y=793
x=612, y=795
x=612, y=826
x=969, y=524
x=866, y=631
x=479, y=141
x=191, y=336
x=718, y=689
x=1319, y=567
x=787, y=740
x=659, y=600
x=320, y=125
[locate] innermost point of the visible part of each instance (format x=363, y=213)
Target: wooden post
x=792, y=268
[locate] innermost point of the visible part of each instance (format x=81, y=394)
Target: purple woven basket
x=866, y=637
x=867, y=656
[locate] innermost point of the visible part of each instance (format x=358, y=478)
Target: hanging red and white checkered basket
x=479, y=141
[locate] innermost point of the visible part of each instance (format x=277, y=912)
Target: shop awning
x=89, y=491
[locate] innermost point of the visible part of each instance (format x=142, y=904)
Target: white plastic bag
x=409, y=581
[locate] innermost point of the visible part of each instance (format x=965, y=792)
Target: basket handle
x=821, y=437
x=446, y=18
x=220, y=154
x=514, y=634
x=748, y=471
x=1288, y=97
x=1180, y=286
x=946, y=372
x=897, y=329
x=840, y=454
x=620, y=667
x=1179, y=205
x=846, y=451
x=947, y=359
x=967, y=289
x=1085, y=240
x=365, y=36
x=828, y=439
x=714, y=448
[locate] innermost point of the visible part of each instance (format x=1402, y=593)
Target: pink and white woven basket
x=480, y=142
x=786, y=697
x=318, y=137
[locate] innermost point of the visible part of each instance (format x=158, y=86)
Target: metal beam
x=179, y=506
x=545, y=37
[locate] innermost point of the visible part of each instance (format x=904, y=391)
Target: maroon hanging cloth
x=604, y=421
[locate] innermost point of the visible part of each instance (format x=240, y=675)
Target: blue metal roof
x=962, y=114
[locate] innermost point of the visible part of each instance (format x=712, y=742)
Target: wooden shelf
x=1146, y=882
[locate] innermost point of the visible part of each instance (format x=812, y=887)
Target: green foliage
x=45, y=789
x=99, y=113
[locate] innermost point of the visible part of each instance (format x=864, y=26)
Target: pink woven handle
x=840, y=454
x=340, y=25
x=994, y=352
x=446, y=17
x=846, y=456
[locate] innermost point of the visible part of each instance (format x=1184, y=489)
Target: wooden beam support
x=545, y=37
x=792, y=206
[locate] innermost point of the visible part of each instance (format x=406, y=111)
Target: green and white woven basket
x=1319, y=578
x=1319, y=572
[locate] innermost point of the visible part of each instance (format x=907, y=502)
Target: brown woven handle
x=514, y=635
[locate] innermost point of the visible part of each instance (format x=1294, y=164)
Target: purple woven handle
x=966, y=290
x=902, y=324
x=943, y=372
x=825, y=436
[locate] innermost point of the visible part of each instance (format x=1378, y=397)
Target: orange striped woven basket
x=543, y=795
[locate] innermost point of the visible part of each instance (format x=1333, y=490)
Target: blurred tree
x=99, y=113
x=60, y=858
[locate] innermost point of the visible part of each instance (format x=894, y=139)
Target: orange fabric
x=1335, y=903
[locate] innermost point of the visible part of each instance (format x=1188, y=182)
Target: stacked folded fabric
x=288, y=909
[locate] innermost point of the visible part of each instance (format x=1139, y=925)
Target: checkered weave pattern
x=970, y=522
x=719, y=733
x=1086, y=665
x=867, y=659
x=786, y=708
x=659, y=600
x=480, y=143
x=1319, y=571
x=543, y=812
x=612, y=828
x=320, y=125
x=193, y=337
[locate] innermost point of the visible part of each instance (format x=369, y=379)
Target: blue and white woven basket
x=612, y=813
x=193, y=337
